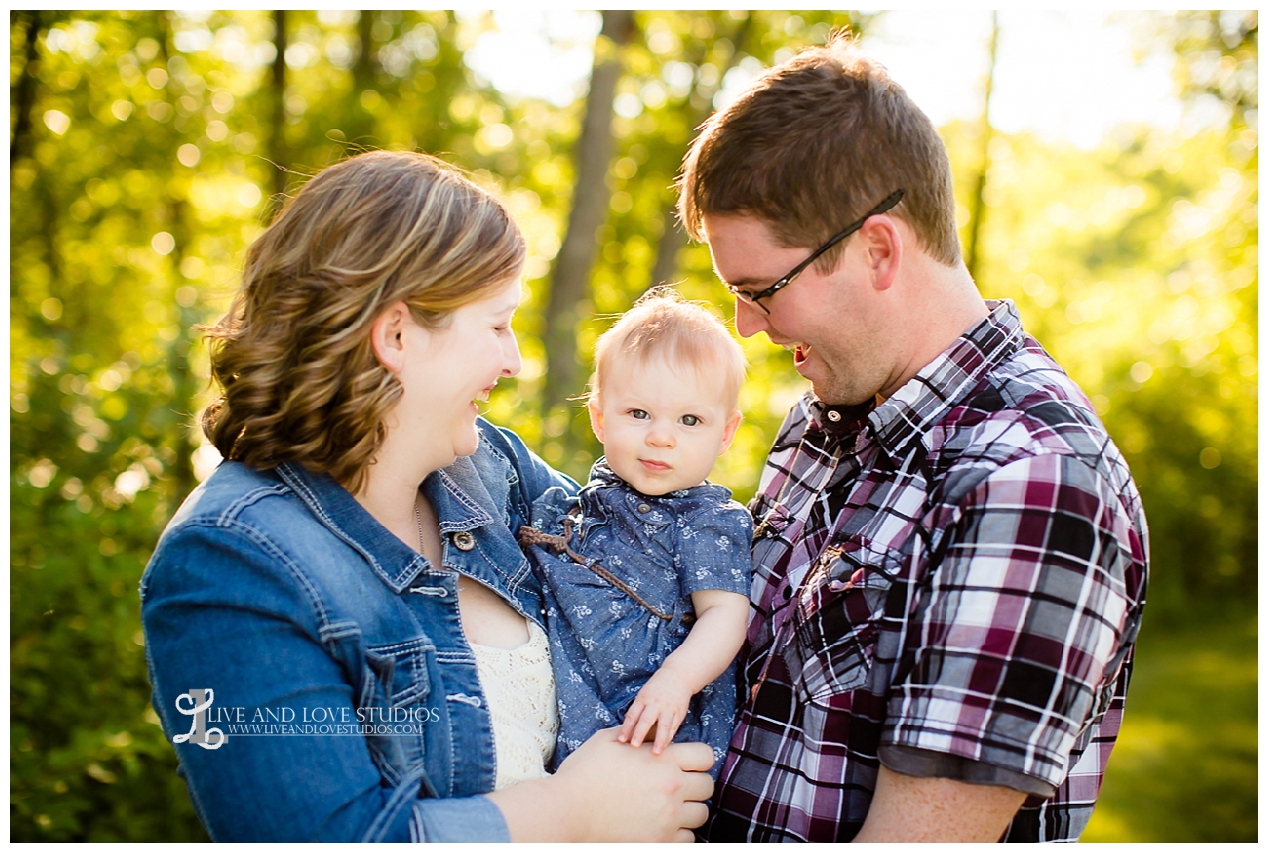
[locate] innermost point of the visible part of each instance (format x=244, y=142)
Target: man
x=950, y=553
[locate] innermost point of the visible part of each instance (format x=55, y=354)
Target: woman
x=329, y=588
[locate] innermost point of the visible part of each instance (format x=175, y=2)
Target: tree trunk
x=277, y=140
x=972, y=253
x=179, y=369
x=672, y=238
x=23, y=94
x=571, y=279
x=363, y=73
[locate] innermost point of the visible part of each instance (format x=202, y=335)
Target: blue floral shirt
x=605, y=642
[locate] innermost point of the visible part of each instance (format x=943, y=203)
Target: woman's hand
x=606, y=791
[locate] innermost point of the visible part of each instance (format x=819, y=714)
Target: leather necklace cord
x=559, y=544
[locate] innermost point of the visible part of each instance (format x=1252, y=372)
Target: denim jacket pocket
x=393, y=708
x=836, y=625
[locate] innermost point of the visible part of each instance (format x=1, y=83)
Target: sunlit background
x=1106, y=179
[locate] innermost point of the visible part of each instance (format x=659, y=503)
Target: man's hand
x=661, y=703
x=916, y=808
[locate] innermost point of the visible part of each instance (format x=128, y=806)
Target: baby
x=646, y=573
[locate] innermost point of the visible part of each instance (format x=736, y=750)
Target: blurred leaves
x=144, y=155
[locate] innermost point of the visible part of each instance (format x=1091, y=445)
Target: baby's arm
x=714, y=641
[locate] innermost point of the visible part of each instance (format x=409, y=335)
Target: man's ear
x=728, y=434
x=882, y=239
x=387, y=337
x=596, y=417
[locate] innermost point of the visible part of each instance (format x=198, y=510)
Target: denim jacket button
x=644, y=508
x=463, y=540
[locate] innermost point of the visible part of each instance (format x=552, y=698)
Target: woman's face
x=450, y=370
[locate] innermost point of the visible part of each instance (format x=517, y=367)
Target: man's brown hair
x=293, y=356
x=815, y=143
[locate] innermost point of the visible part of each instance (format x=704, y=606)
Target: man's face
x=834, y=324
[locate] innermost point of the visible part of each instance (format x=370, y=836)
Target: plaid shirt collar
x=926, y=398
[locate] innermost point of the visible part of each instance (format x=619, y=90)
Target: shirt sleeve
x=713, y=550
x=223, y=610
x=1015, y=641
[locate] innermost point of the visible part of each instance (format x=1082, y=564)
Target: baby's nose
x=660, y=436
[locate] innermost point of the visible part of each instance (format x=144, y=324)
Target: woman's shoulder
x=231, y=490
x=238, y=503
x=240, y=532
x=502, y=457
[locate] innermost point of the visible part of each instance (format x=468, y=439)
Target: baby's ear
x=596, y=416
x=728, y=434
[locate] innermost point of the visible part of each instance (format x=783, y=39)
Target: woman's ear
x=387, y=336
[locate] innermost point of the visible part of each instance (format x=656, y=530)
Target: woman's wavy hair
x=300, y=379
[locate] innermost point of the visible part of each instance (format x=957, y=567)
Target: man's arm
x=917, y=808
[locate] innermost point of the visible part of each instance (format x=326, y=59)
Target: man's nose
x=749, y=319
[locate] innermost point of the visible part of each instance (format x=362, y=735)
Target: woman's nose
x=511, y=361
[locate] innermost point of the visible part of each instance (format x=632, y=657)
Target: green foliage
x=1135, y=266
x=144, y=158
x=1186, y=764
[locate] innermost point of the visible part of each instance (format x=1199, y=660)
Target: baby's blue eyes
x=685, y=420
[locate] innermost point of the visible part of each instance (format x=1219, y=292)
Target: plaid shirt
x=954, y=577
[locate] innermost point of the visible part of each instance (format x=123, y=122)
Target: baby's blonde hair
x=664, y=325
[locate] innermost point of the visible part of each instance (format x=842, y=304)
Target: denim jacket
x=332, y=654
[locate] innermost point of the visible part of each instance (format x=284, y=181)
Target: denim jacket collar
x=395, y=563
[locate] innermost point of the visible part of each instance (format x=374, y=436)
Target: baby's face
x=662, y=428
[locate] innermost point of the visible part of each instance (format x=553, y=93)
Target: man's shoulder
x=1025, y=405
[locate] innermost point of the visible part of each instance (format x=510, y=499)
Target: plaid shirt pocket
x=837, y=623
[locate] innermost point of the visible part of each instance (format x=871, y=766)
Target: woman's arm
x=222, y=612
x=714, y=641
x=535, y=475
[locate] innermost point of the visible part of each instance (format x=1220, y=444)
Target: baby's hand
x=661, y=703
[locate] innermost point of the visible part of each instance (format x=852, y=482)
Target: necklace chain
x=418, y=518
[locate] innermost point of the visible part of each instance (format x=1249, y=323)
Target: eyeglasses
x=756, y=298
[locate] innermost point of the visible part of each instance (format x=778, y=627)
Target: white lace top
x=519, y=688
